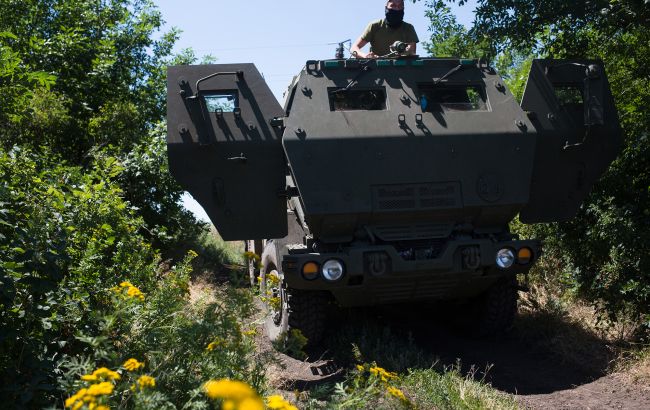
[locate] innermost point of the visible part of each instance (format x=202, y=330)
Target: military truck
x=389, y=180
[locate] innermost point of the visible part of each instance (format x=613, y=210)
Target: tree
x=606, y=249
x=82, y=77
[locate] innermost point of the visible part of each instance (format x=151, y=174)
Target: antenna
x=340, y=49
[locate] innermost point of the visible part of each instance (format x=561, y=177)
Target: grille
x=412, y=232
x=441, y=195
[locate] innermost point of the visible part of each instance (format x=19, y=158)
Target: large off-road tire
x=493, y=312
x=297, y=309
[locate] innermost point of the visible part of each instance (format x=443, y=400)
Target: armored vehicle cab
x=390, y=180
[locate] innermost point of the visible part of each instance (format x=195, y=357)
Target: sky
x=280, y=36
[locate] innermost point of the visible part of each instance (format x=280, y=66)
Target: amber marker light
x=310, y=270
x=524, y=256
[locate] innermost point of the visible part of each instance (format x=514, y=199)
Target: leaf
x=7, y=34
x=47, y=325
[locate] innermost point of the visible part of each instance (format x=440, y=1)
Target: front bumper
x=379, y=275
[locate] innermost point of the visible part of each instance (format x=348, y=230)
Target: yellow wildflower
x=228, y=389
x=192, y=254
x=131, y=290
x=360, y=368
x=236, y=395
x=382, y=373
x=89, y=395
x=251, y=332
x=100, y=389
x=101, y=374
x=135, y=293
x=278, y=402
x=132, y=365
x=252, y=256
x=76, y=398
x=95, y=406
x=395, y=392
x=251, y=403
x=214, y=344
x=146, y=382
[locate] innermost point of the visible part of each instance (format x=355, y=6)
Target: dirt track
x=535, y=378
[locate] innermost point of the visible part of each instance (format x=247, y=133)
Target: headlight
x=505, y=258
x=332, y=270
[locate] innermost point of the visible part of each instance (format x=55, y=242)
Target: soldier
x=381, y=34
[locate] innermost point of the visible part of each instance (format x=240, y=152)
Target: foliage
x=179, y=343
x=604, y=251
x=149, y=185
x=370, y=386
x=450, y=38
x=64, y=233
x=81, y=77
x=449, y=389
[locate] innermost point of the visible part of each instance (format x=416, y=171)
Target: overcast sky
x=279, y=36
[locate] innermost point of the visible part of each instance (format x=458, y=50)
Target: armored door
x=570, y=104
x=223, y=149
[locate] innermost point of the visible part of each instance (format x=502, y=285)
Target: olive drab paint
x=375, y=145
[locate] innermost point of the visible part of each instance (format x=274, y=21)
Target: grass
x=449, y=389
x=424, y=382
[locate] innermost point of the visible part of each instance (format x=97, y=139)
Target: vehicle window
x=568, y=95
x=357, y=99
x=450, y=97
x=221, y=102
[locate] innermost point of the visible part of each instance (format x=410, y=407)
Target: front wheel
x=493, y=312
x=292, y=309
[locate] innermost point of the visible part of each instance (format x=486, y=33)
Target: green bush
x=65, y=234
x=179, y=343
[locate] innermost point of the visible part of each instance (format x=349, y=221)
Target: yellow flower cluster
x=131, y=291
x=383, y=374
x=236, y=395
x=251, y=332
x=395, y=392
x=89, y=397
x=145, y=382
x=101, y=374
x=132, y=365
x=386, y=378
x=279, y=403
x=216, y=343
x=252, y=256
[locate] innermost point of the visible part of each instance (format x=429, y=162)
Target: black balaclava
x=394, y=18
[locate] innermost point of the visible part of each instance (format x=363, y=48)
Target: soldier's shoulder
x=408, y=26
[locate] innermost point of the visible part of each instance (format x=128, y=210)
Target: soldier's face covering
x=394, y=17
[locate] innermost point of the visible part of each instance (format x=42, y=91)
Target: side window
x=571, y=99
x=357, y=99
x=451, y=97
x=222, y=101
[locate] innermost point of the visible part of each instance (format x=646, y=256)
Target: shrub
x=166, y=342
x=64, y=234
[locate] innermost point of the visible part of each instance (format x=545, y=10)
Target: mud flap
x=579, y=135
x=223, y=150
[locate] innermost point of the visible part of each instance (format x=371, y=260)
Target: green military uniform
x=381, y=37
